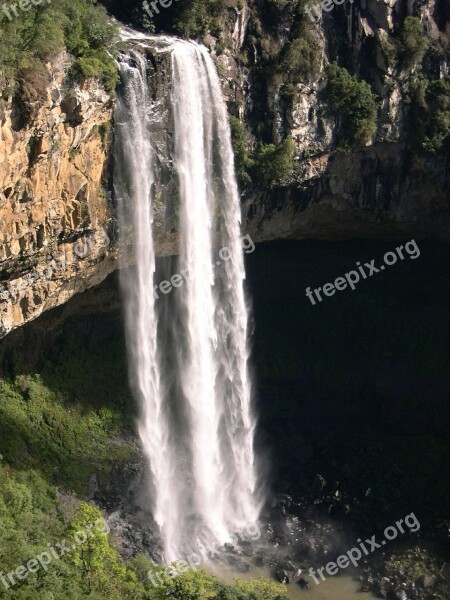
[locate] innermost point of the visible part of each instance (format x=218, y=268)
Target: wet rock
x=282, y=576
x=426, y=581
x=318, y=485
x=93, y=487
x=238, y=564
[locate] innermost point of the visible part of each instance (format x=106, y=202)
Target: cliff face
x=57, y=213
x=380, y=192
x=57, y=210
x=383, y=188
x=54, y=208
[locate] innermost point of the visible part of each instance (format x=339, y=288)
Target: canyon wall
x=54, y=208
x=58, y=234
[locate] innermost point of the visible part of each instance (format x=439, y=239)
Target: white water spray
x=215, y=374
x=217, y=495
x=134, y=179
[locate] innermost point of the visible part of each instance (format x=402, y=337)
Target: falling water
x=215, y=373
x=134, y=179
x=216, y=494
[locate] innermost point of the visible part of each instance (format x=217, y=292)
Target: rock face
x=57, y=214
x=380, y=192
x=54, y=210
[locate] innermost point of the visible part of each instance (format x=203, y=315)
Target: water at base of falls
x=189, y=373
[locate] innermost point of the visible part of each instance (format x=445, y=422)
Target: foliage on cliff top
x=35, y=37
x=189, y=19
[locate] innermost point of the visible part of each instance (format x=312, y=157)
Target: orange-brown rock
x=54, y=211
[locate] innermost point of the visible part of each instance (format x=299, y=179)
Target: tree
x=273, y=163
x=263, y=589
x=413, y=44
x=95, y=556
x=353, y=102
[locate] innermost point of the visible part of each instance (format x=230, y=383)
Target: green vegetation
x=273, y=164
x=188, y=19
x=430, y=114
x=268, y=165
x=387, y=49
x=413, y=43
x=63, y=422
x=34, y=38
x=353, y=103
x=301, y=62
x=262, y=589
x=199, y=585
x=57, y=429
x=96, y=558
x=242, y=160
x=46, y=429
x=33, y=518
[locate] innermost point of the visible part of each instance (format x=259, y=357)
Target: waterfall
x=134, y=179
x=215, y=374
x=203, y=469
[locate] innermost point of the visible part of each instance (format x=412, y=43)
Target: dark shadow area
x=355, y=388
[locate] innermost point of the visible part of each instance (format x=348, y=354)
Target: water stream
x=199, y=444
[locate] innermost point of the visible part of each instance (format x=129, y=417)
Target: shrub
x=263, y=589
x=413, y=43
x=386, y=48
x=242, y=160
x=273, y=163
x=353, y=102
x=430, y=114
x=302, y=59
x=96, y=63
